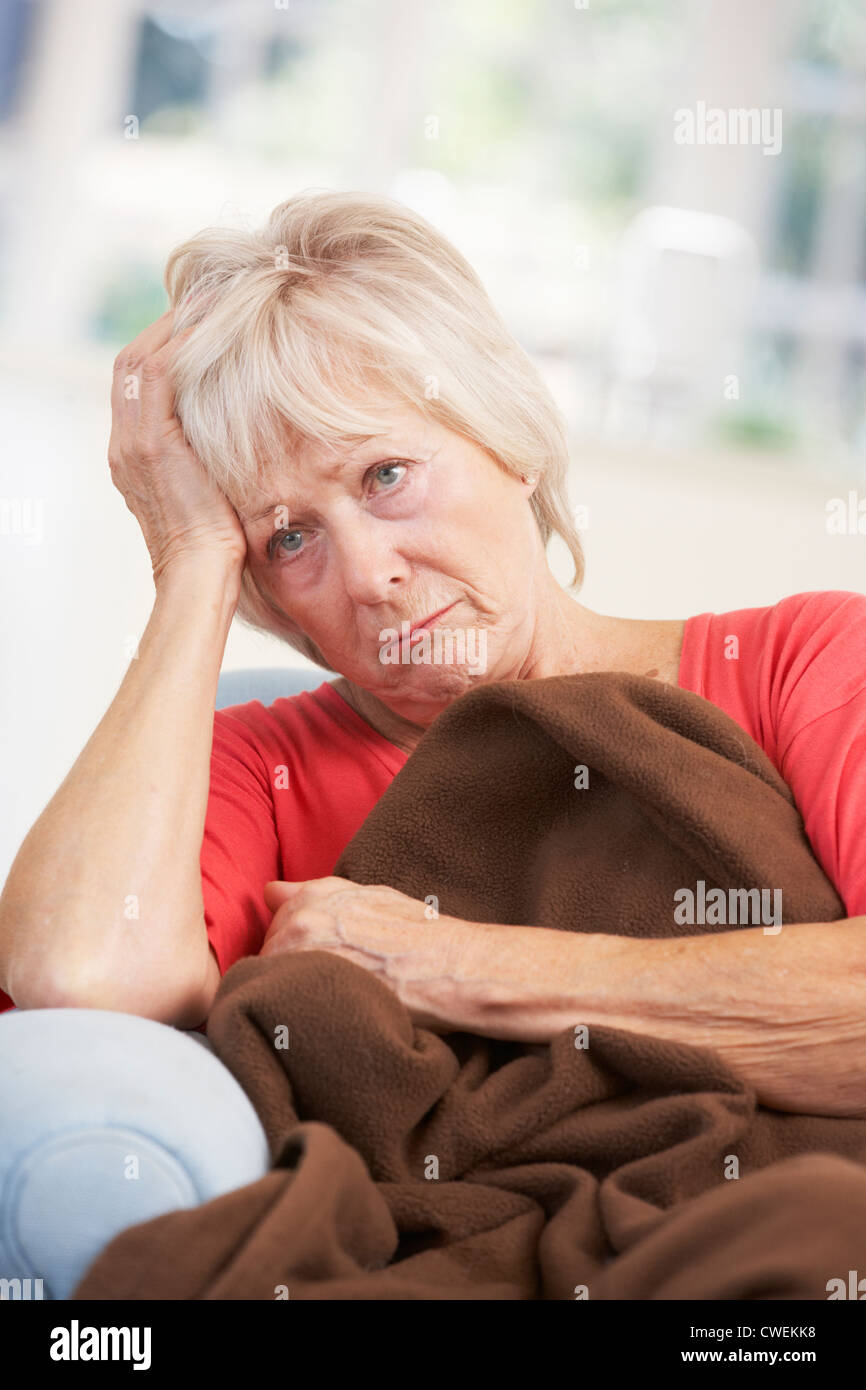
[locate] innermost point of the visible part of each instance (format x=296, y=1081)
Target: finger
x=151, y=338
x=330, y=884
x=278, y=891
x=154, y=391
x=124, y=388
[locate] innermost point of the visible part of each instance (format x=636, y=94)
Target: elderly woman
x=333, y=434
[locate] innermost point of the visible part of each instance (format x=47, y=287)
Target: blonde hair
x=344, y=303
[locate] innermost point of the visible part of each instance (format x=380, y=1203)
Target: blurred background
x=666, y=199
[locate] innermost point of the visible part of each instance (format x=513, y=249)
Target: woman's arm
x=786, y=1010
x=103, y=905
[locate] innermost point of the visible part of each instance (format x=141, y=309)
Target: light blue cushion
x=108, y=1120
x=267, y=683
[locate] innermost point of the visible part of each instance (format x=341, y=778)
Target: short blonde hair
x=344, y=298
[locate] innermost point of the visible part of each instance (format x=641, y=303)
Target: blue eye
x=389, y=468
x=278, y=540
x=291, y=541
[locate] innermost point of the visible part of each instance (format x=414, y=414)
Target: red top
x=799, y=688
x=290, y=784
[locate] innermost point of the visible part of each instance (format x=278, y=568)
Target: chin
x=427, y=683
x=443, y=659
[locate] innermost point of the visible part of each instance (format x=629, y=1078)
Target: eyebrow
x=260, y=516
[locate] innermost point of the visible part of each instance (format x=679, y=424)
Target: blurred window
x=17, y=22
x=171, y=70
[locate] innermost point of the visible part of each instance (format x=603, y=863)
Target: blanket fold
x=409, y=1165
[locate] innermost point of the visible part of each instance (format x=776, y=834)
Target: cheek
x=478, y=502
x=294, y=600
x=483, y=525
x=316, y=607
x=453, y=515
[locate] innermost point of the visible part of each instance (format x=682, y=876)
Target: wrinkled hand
x=178, y=506
x=420, y=956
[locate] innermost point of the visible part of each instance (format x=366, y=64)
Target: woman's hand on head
x=180, y=509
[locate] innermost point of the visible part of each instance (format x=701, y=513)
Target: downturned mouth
x=431, y=618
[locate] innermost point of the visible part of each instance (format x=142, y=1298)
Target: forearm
x=103, y=904
x=786, y=1011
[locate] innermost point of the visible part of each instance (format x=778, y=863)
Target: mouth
x=429, y=621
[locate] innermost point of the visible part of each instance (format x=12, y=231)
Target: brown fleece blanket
x=563, y=1172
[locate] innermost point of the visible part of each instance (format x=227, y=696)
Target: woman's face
x=352, y=543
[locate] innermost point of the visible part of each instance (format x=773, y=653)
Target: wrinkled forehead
x=299, y=459
x=284, y=473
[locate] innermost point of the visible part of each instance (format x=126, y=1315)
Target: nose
x=372, y=568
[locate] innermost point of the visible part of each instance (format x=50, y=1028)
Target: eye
x=390, y=468
x=289, y=541
x=278, y=542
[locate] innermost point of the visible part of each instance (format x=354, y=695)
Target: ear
x=530, y=482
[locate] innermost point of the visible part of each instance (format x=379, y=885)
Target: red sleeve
x=240, y=849
x=819, y=697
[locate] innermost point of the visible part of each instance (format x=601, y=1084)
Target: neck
x=403, y=733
